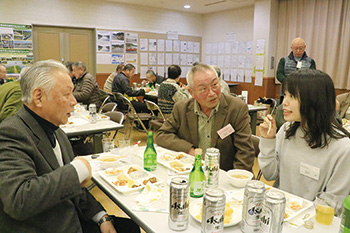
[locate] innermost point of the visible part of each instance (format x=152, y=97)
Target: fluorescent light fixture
x=187, y=6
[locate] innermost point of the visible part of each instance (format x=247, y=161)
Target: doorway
x=65, y=44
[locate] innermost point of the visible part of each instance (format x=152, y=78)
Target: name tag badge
x=225, y=131
x=299, y=64
x=309, y=171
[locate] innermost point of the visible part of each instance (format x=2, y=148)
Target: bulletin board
x=155, y=51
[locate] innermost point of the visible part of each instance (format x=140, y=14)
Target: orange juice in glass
x=325, y=204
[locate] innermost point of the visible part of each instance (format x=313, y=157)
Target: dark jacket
x=87, y=91
x=36, y=194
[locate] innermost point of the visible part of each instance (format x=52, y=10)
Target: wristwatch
x=104, y=219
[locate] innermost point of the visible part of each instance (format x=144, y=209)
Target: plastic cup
x=108, y=144
x=123, y=142
x=325, y=204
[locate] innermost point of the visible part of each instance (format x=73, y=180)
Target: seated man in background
x=201, y=120
x=153, y=79
x=69, y=66
x=108, y=84
x=11, y=97
x=41, y=186
x=170, y=92
x=343, y=105
x=86, y=89
x=3, y=72
x=224, y=86
x=121, y=84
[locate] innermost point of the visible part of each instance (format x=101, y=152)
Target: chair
x=156, y=121
x=132, y=114
x=108, y=107
x=117, y=117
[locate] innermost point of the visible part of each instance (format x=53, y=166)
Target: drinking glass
x=123, y=142
x=108, y=144
x=325, y=204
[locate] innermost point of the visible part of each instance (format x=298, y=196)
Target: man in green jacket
x=10, y=99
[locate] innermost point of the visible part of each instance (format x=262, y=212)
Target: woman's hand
x=107, y=227
x=268, y=127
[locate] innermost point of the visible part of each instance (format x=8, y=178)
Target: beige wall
x=99, y=14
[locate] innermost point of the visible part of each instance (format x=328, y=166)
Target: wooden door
x=65, y=44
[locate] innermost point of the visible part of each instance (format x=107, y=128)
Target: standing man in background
x=297, y=59
x=224, y=86
x=108, y=84
x=86, y=89
x=2, y=74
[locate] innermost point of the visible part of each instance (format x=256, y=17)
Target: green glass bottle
x=197, y=177
x=345, y=220
x=150, y=154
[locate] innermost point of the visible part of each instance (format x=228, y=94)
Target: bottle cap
x=198, y=151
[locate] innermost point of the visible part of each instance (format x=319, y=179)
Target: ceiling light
x=187, y=6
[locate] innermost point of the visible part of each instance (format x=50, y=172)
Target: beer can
x=179, y=203
x=213, y=211
x=252, y=206
x=272, y=216
x=92, y=113
x=212, y=167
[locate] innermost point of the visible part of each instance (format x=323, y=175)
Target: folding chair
x=132, y=114
x=108, y=107
x=117, y=117
x=156, y=121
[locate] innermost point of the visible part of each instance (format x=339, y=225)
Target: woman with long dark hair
x=311, y=151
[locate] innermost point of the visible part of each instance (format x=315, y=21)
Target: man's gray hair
x=79, y=64
x=23, y=70
x=195, y=69
x=40, y=75
x=150, y=72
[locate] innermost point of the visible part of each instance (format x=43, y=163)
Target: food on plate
x=120, y=182
x=239, y=176
x=108, y=158
x=152, y=180
x=113, y=171
x=132, y=169
x=178, y=166
x=286, y=215
x=179, y=156
x=228, y=210
x=345, y=121
x=295, y=205
x=166, y=157
x=138, y=175
x=70, y=122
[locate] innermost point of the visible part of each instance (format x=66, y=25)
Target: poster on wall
x=16, y=47
x=131, y=42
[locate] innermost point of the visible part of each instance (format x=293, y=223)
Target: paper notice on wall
x=230, y=36
x=161, y=70
x=258, y=78
x=176, y=58
x=183, y=59
x=221, y=48
x=117, y=59
x=209, y=48
x=143, y=71
x=260, y=46
x=235, y=47
x=240, y=76
x=190, y=47
x=169, y=45
x=221, y=61
x=143, y=44
x=169, y=59
x=161, y=45
x=176, y=45
x=227, y=61
x=228, y=47
x=131, y=58
x=208, y=59
x=259, y=62
x=103, y=58
x=160, y=58
x=152, y=58
x=196, y=47
x=144, y=58
x=234, y=75
x=184, y=46
x=234, y=61
x=248, y=76
x=226, y=74
x=152, y=45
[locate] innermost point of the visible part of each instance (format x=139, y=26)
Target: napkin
x=150, y=194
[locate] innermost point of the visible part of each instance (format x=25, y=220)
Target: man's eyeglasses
x=298, y=49
x=205, y=89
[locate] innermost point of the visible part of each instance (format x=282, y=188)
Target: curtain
x=325, y=27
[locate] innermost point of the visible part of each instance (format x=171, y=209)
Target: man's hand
x=191, y=152
x=87, y=164
x=107, y=227
x=147, y=89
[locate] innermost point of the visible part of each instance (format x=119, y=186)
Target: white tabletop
x=158, y=222
x=83, y=126
x=253, y=108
